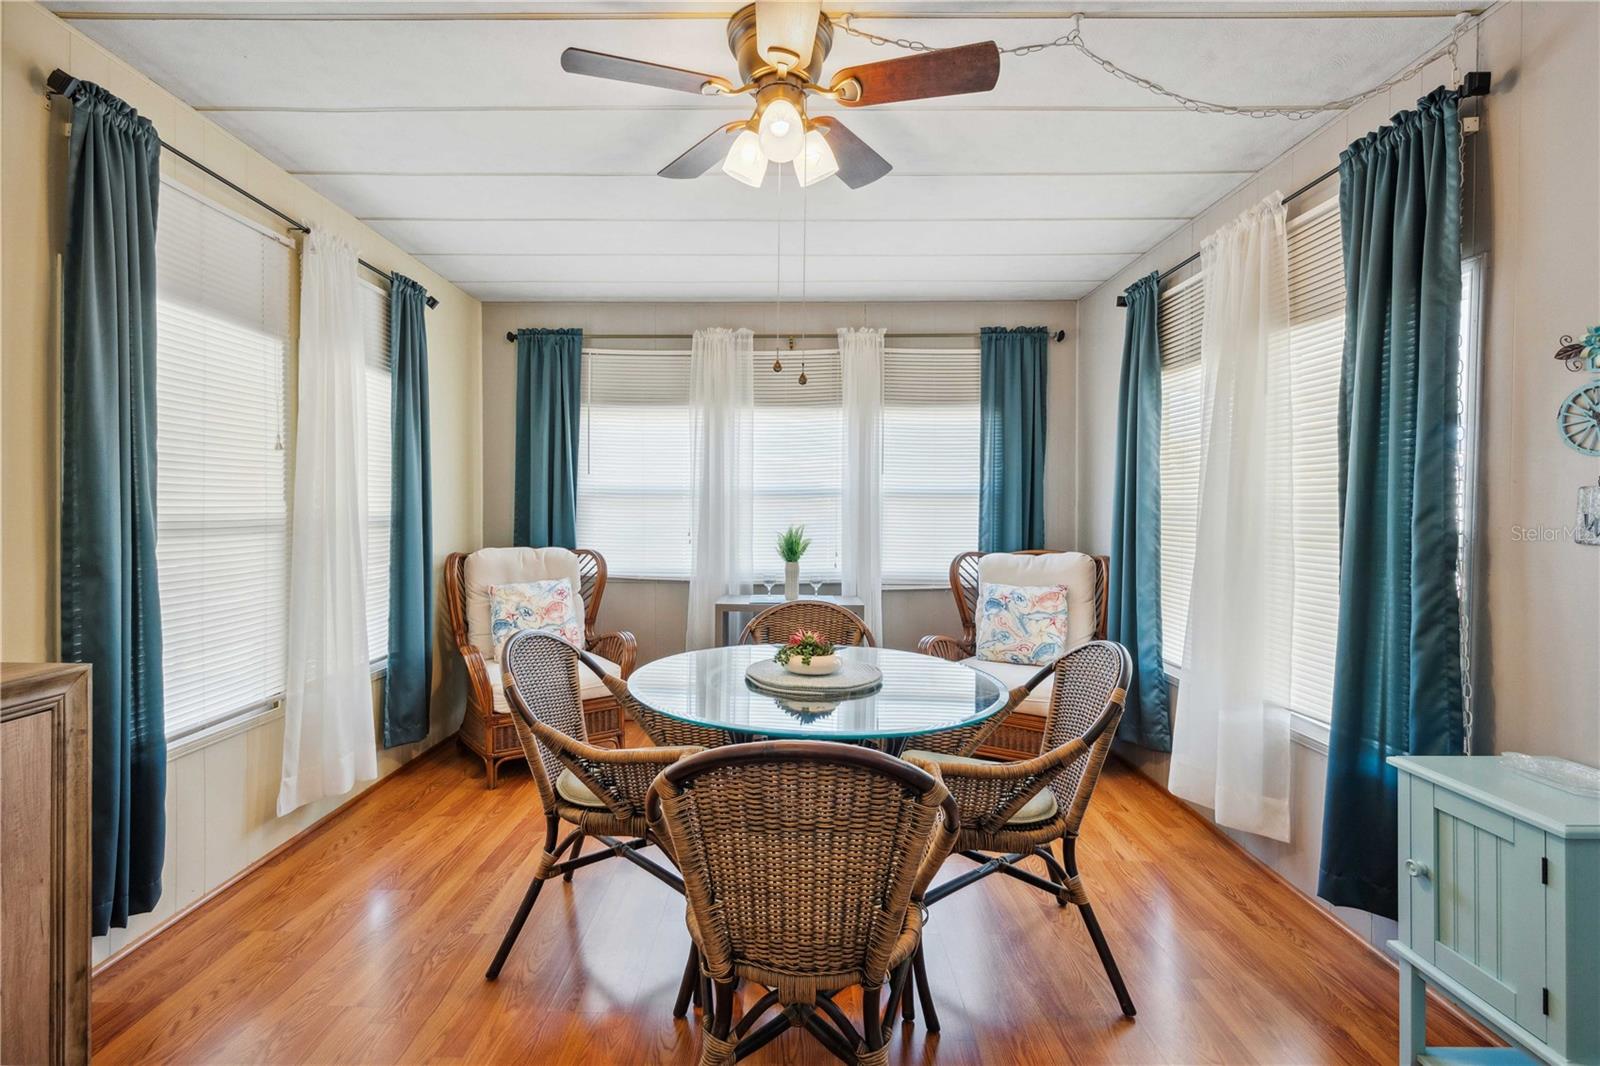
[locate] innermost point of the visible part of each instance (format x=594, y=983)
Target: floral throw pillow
x=551, y=606
x=1022, y=623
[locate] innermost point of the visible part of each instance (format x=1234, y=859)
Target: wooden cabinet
x=44, y=863
x=1500, y=904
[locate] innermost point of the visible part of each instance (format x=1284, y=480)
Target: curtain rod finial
x=1476, y=83
x=60, y=83
x=1122, y=301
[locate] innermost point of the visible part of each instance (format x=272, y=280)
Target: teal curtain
x=1134, y=611
x=549, y=398
x=1012, y=394
x=1397, y=672
x=110, y=598
x=408, y=680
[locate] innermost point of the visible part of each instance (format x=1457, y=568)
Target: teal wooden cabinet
x=1499, y=908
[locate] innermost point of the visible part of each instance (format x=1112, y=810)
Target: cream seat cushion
x=1075, y=570
x=510, y=566
x=575, y=792
x=589, y=684
x=1041, y=807
x=1011, y=675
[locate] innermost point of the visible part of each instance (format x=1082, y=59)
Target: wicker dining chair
x=775, y=624
x=1012, y=811
x=601, y=791
x=804, y=864
x=663, y=730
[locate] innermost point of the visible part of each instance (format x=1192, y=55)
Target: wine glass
x=767, y=584
x=816, y=586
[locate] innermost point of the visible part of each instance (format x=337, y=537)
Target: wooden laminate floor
x=367, y=944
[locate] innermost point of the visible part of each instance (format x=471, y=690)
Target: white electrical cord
x=1298, y=112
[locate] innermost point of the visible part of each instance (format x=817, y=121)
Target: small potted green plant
x=808, y=653
x=792, y=544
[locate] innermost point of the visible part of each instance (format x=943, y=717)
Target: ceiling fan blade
x=858, y=164
x=971, y=68
x=640, y=72
x=706, y=153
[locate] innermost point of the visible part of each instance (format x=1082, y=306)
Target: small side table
x=737, y=607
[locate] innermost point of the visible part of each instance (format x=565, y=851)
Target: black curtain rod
x=60, y=83
x=511, y=336
x=1476, y=83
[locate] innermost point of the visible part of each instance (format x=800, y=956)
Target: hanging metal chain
x=1298, y=112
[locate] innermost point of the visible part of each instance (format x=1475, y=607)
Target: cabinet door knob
x=1416, y=869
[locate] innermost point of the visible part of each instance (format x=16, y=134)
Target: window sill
x=231, y=726
x=1304, y=730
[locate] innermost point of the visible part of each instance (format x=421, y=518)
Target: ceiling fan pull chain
x=777, y=311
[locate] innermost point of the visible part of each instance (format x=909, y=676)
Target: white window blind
x=799, y=460
x=1316, y=353
x=1178, y=318
x=635, y=462
x=222, y=325
x=380, y=476
x=930, y=462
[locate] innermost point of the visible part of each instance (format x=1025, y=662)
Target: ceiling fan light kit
x=780, y=46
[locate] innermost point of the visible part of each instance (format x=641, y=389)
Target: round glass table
x=919, y=694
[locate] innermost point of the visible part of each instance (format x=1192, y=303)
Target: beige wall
x=655, y=611
x=1538, y=660
x=220, y=797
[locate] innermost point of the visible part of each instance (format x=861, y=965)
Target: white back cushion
x=507, y=566
x=1072, y=569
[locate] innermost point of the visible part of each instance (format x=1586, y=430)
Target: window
x=930, y=463
x=1315, y=352
x=799, y=461
x=380, y=476
x=222, y=547
x=637, y=442
x=635, y=460
x=1178, y=318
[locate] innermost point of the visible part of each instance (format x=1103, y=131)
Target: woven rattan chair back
x=663, y=730
x=964, y=586
x=800, y=858
x=541, y=679
x=1091, y=683
x=775, y=624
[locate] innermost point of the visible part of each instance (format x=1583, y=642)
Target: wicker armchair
x=486, y=728
x=1021, y=731
x=1011, y=811
x=804, y=863
x=776, y=623
x=600, y=791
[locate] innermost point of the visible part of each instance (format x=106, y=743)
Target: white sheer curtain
x=721, y=391
x=861, y=538
x=1230, y=745
x=328, y=740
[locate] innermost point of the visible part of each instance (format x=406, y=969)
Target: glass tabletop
x=919, y=694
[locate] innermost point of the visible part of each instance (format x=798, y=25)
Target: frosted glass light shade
x=786, y=30
x=746, y=161
x=783, y=130
x=816, y=162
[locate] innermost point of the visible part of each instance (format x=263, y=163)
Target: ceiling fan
x=779, y=46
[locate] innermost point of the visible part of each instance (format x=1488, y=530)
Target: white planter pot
x=821, y=665
x=791, y=581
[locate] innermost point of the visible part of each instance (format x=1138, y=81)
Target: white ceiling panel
x=642, y=142
x=759, y=291
x=450, y=127
x=926, y=198
x=1120, y=237
x=762, y=261
x=500, y=63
